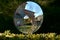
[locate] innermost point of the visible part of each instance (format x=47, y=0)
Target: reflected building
x=39, y=18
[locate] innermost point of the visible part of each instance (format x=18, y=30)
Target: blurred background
x=51, y=10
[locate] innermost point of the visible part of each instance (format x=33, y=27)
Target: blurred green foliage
x=50, y=8
x=43, y=36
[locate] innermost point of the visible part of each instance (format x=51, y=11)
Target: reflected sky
x=34, y=7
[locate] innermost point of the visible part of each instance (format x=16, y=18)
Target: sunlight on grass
x=42, y=36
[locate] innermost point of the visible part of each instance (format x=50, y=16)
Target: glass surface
x=28, y=17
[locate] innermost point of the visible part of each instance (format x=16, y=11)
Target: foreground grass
x=10, y=36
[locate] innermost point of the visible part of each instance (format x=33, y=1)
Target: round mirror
x=28, y=17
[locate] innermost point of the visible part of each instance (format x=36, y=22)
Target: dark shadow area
x=7, y=23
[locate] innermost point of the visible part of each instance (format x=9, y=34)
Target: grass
x=25, y=27
x=42, y=36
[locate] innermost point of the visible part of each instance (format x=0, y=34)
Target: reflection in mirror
x=28, y=17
